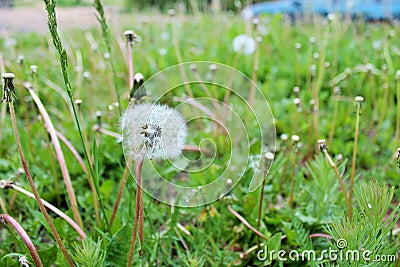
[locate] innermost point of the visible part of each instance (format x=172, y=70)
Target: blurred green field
x=331, y=61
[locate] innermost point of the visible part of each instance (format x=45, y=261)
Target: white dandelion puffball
x=244, y=44
x=153, y=131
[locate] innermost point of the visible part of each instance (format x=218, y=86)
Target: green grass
x=213, y=235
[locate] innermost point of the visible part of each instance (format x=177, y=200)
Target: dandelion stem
x=138, y=212
x=342, y=186
x=291, y=197
x=333, y=125
x=31, y=247
x=52, y=208
x=35, y=192
x=398, y=110
x=120, y=191
x=353, y=162
x=85, y=170
x=106, y=36
x=246, y=223
x=59, y=154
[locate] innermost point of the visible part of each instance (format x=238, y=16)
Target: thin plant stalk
x=353, y=161
x=291, y=194
x=34, y=190
x=246, y=223
x=24, y=236
x=52, y=24
x=3, y=104
x=106, y=36
x=119, y=195
x=50, y=207
x=341, y=183
x=175, y=42
x=138, y=212
x=85, y=170
x=334, y=119
x=59, y=154
x=398, y=109
x=256, y=62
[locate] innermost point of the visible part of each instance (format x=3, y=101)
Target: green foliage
x=371, y=226
x=89, y=254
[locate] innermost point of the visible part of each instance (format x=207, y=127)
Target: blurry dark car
x=368, y=9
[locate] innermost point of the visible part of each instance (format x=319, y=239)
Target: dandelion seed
x=359, y=99
x=131, y=37
x=23, y=261
x=336, y=90
x=244, y=44
x=153, y=131
x=8, y=88
x=295, y=138
x=171, y=12
x=162, y=51
x=20, y=59
x=269, y=156
x=33, y=68
x=86, y=75
x=298, y=46
x=284, y=137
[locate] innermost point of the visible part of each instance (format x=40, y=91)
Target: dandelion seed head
x=284, y=137
x=269, y=156
x=359, y=99
x=23, y=261
x=295, y=138
x=244, y=44
x=20, y=59
x=153, y=131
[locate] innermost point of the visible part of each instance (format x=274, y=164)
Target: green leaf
x=117, y=251
x=274, y=243
x=48, y=256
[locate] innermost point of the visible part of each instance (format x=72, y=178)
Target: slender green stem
x=52, y=24
x=291, y=197
x=106, y=36
x=398, y=110
x=333, y=125
x=353, y=162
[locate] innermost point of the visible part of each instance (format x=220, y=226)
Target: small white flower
x=153, y=131
x=244, y=44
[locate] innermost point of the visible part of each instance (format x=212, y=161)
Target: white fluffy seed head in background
x=153, y=131
x=244, y=44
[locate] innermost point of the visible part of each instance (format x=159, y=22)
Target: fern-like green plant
x=89, y=254
x=320, y=199
x=370, y=229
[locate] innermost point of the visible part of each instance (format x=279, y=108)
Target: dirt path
x=34, y=18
